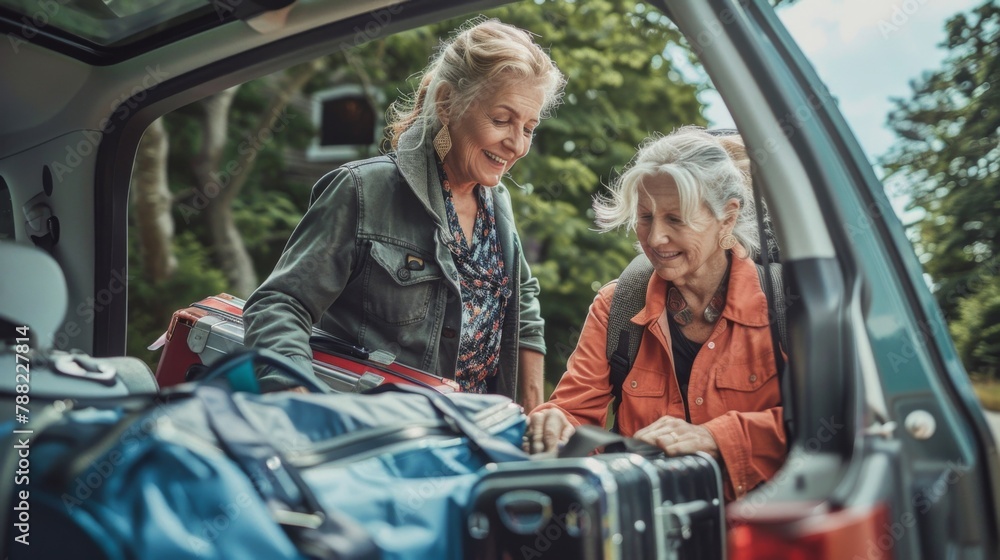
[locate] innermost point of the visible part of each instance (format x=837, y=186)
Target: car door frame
x=768, y=84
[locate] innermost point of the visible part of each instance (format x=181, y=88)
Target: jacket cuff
x=534, y=343
x=271, y=379
x=728, y=433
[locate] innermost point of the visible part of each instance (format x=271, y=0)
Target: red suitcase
x=213, y=327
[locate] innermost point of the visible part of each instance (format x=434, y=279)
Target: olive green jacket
x=369, y=263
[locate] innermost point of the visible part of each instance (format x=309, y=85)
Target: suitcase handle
x=680, y=518
x=524, y=511
x=588, y=439
x=328, y=343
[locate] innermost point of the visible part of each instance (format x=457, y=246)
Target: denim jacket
x=369, y=263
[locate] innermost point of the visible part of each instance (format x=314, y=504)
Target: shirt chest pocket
x=399, y=284
x=643, y=382
x=642, y=398
x=749, y=386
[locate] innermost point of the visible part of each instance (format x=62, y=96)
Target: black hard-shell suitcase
x=557, y=508
x=609, y=506
x=693, y=514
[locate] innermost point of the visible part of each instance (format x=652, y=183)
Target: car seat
x=33, y=304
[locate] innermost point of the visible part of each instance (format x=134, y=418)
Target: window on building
x=347, y=124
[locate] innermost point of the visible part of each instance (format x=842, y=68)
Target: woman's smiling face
x=679, y=249
x=492, y=134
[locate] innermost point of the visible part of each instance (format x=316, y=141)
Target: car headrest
x=32, y=292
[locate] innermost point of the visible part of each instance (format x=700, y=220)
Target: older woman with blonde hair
x=416, y=252
x=705, y=377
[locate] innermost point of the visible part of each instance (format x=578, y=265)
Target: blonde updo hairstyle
x=704, y=172
x=483, y=55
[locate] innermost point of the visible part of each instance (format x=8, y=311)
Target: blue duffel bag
x=120, y=479
x=407, y=481
x=211, y=473
x=400, y=460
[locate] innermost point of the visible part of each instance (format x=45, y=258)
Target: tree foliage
x=948, y=153
x=977, y=330
x=622, y=88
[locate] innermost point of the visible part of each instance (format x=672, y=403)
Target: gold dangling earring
x=727, y=242
x=442, y=142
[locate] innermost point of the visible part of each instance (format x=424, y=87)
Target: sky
x=867, y=52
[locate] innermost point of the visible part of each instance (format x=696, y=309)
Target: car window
x=872, y=55
x=916, y=83
x=281, y=133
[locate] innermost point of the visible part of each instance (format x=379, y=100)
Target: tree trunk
x=213, y=195
x=153, y=203
x=230, y=252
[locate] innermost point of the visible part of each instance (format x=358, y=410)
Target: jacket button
x=448, y=332
x=403, y=274
x=699, y=401
x=753, y=378
x=634, y=384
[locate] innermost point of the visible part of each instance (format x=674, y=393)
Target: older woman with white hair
x=704, y=378
x=415, y=252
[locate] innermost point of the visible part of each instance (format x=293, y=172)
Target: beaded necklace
x=682, y=313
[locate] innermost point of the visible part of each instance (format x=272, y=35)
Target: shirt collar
x=745, y=300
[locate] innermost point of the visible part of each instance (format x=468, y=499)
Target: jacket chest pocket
x=749, y=386
x=399, y=284
x=643, y=396
x=642, y=382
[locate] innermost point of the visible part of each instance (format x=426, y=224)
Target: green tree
x=948, y=155
x=206, y=170
x=977, y=330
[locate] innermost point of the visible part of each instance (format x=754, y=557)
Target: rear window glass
x=107, y=22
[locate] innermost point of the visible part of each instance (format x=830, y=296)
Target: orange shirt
x=733, y=389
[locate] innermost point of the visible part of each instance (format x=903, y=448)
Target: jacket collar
x=416, y=163
x=745, y=300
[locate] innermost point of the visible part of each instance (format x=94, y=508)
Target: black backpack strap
x=773, y=288
x=624, y=335
x=772, y=285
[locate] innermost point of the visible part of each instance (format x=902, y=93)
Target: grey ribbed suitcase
x=609, y=506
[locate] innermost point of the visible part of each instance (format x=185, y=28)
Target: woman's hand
x=676, y=437
x=547, y=430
